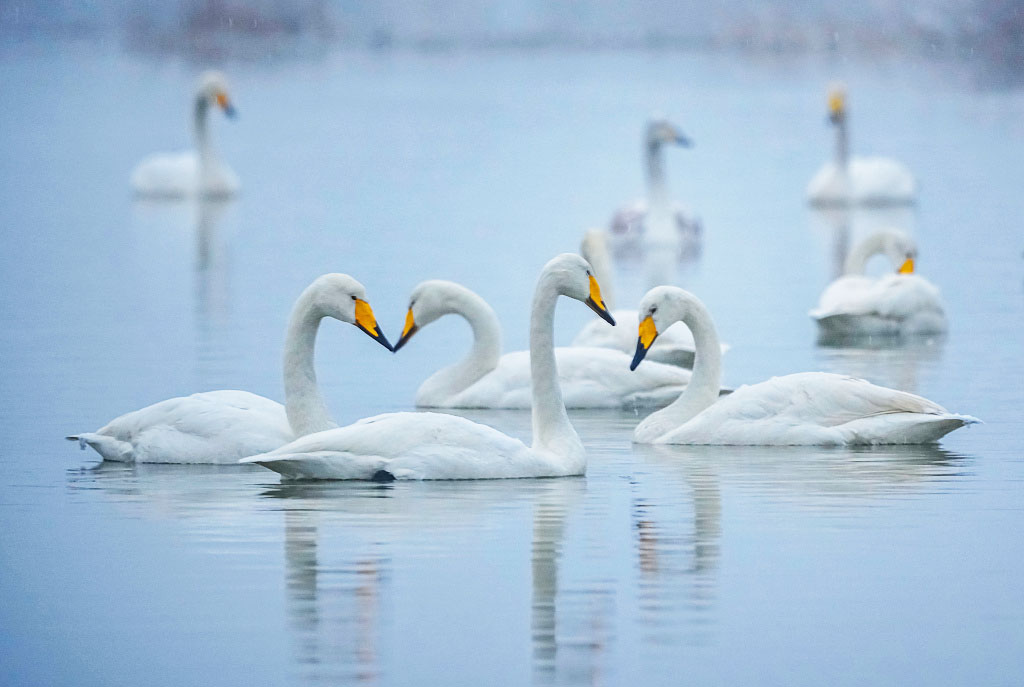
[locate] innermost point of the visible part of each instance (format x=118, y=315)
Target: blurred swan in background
x=857, y=180
x=441, y=446
x=655, y=222
x=589, y=377
x=674, y=347
x=901, y=303
x=223, y=426
x=196, y=172
x=809, y=408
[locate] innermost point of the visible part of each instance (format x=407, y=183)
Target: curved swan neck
x=486, y=350
x=305, y=407
x=867, y=248
x=551, y=426
x=705, y=383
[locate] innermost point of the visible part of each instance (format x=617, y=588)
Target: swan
x=809, y=408
x=588, y=377
x=674, y=347
x=655, y=222
x=902, y=303
x=223, y=426
x=857, y=180
x=196, y=172
x=429, y=445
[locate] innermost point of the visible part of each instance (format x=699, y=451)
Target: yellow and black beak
x=648, y=333
x=368, y=323
x=836, y=106
x=225, y=104
x=907, y=267
x=596, y=303
x=408, y=330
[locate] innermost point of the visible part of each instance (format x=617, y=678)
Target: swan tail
x=107, y=446
x=323, y=465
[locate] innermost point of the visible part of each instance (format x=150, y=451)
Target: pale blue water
x=662, y=566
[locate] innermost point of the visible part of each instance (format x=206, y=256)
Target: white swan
x=810, y=408
x=589, y=377
x=196, y=172
x=901, y=303
x=857, y=180
x=440, y=446
x=656, y=222
x=223, y=426
x=674, y=347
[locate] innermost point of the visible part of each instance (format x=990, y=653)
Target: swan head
x=661, y=131
x=427, y=302
x=343, y=298
x=213, y=89
x=660, y=308
x=574, y=277
x=900, y=249
x=836, y=103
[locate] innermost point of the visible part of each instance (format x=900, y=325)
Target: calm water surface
x=662, y=565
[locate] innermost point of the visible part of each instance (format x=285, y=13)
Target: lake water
x=663, y=565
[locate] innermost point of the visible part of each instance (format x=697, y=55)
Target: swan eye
x=354, y=298
x=654, y=309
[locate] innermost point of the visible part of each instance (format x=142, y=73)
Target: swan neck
x=485, y=353
x=305, y=407
x=657, y=186
x=199, y=126
x=704, y=385
x=842, y=145
x=551, y=427
x=870, y=246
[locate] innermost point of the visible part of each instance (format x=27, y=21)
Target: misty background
x=986, y=33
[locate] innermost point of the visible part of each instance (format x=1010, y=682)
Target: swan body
x=224, y=426
x=194, y=173
x=809, y=408
x=656, y=222
x=858, y=180
x=897, y=304
x=674, y=347
x=588, y=377
x=440, y=446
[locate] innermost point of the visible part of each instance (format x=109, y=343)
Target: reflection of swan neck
x=304, y=405
x=551, y=427
x=705, y=383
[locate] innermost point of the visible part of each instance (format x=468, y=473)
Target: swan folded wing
x=600, y=377
x=214, y=426
x=408, y=446
x=816, y=408
x=169, y=175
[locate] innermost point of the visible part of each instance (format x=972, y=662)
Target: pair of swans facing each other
x=193, y=173
x=899, y=304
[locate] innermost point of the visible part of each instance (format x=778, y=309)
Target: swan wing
x=411, y=446
x=209, y=427
x=167, y=175
x=821, y=409
x=869, y=180
x=589, y=378
x=895, y=303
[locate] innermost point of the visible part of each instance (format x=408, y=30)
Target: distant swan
x=440, y=446
x=656, y=222
x=810, y=408
x=223, y=426
x=858, y=180
x=901, y=303
x=674, y=347
x=589, y=377
x=196, y=172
